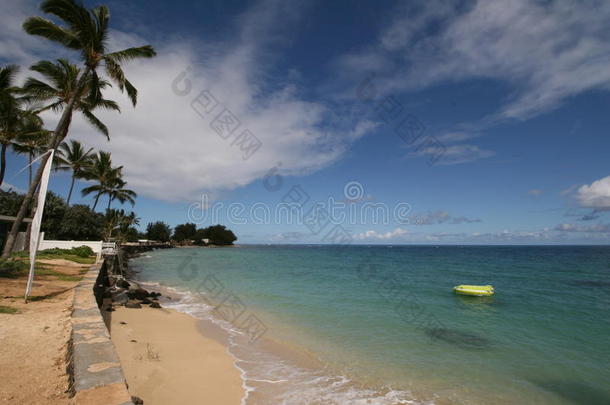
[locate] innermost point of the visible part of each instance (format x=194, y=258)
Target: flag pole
x=37, y=220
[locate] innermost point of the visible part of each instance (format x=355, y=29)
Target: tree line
x=188, y=234
x=62, y=221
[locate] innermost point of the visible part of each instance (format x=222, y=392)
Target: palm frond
x=71, y=12
x=37, y=90
x=55, y=107
x=129, y=54
x=7, y=76
x=93, y=120
x=101, y=16
x=95, y=188
x=132, y=92
x=50, y=70
x=115, y=72
x=47, y=29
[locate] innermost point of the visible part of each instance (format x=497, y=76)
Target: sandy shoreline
x=166, y=359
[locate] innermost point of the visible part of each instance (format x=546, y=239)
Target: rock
x=137, y=401
x=110, y=309
x=138, y=294
x=123, y=323
x=131, y=304
x=155, y=294
x=120, y=297
x=145, y=301
x=155, y=305
x=123, y=284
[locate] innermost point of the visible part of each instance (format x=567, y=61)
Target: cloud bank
x=170, y=150
x=546, y=51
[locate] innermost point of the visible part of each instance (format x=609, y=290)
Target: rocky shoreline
x=120, y=288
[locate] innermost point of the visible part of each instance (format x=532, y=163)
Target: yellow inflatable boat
x=476, y=290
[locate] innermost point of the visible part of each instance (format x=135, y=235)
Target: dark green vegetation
x=216, y=234
x=7, y=310
x=159, y=231
x=11, y=268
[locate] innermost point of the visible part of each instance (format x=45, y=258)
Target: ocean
x=316, y=324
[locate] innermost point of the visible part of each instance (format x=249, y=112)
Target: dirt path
x=34, y=340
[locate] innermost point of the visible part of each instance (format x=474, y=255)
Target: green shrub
x=11, y=268
x=7, y=310
x=82, y=251
x=55, y=252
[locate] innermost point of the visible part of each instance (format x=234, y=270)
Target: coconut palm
x=32, y=141
x=119, y=221
x=116, y=191
x=61, y=86
x=101, y=171
x=72, y=156
x=11, y=114
x=85, y=31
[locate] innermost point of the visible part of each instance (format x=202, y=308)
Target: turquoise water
x=386, y=328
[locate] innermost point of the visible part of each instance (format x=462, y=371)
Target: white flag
x=35, y=229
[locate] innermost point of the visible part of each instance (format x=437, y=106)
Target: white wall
x=69, y=244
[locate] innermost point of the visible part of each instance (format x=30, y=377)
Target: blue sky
x=501, y=109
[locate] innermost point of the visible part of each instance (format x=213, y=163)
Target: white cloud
x=456, y=154
x=596, y=195
x=374, y=235
x=172, y=153
x=548, y=50
x=440, y=217
x=597, y=228
x=535, y=192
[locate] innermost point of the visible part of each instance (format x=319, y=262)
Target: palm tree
x=32, y=141
x=117, y=220
x=101, y=171
x=72, y=156
x=61, y=85
x=85, y=31
x=10, y=113
x=116, y=191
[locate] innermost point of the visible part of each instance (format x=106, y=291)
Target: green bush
x=82, y=251
x=11, y=268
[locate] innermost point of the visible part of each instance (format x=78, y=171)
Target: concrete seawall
x=97, y=374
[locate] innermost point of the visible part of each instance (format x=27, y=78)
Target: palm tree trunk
x=61, y=131
x=30, y=169
x=70, y=192
x=28, y=232
x=97, y=197
x=109, y=202
x=2, y=162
